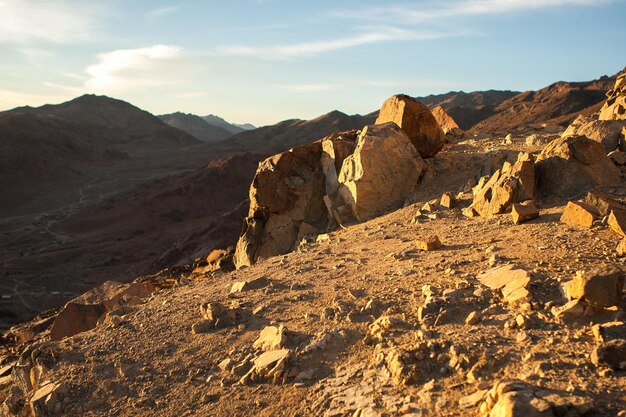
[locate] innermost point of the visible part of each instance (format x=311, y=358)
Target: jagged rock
x=82, y=313
x=523, y=212
x=600, y=287
x=621, y=248
x=448, y=201
x=606, y=332
x=514, y=398
x=579, y=214
x=399, y=365
x=608, y=133
x=381, y=173
x=473, y=318
x=271, y=365
x=220, y=260
x=47, y=400
x=615, y=106
x=504, y=188
x=271, y=338
x=512, y=281
x=417, y=121
x=569, y=167
x=618, y=158
x=617, y=222
x=611, y=354
x=429, y=243
x=447, y=123
x=571, y=309
x=603, y=201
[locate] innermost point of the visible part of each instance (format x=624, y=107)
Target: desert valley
x=452, y=254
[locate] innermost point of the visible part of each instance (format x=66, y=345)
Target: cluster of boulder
x=345, y=177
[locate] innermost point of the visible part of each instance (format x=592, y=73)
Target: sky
x=263, y=61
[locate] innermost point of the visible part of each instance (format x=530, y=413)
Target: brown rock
x=271, y=338
x=75, y=318
x=417, y=121
x=615, y=106
x=512, y=281
x=47, y=400
x=503, y=189
x=621, y=248
x=220, y=260
x=617, y=222
x=611, y=354
x=600, y=287
x=255, y=284
x=603, y=201
x=569, y=167
x=270, y=365
x=579, y=214
x=428, y=244
x=523, y=212
x=448, y=201
x=447, y=123
x=381, y=173
x=606, y=132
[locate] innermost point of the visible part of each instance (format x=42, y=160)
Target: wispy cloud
x=161, y=12
x=297, y=50
x=459, y=8
x=129, y=69
x=36, y=21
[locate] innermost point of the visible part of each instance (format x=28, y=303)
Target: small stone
x=202, y=326
x=473, y=399
x=469, y=212
x=473, y=318
x=448, y=201
x=579, y=214
x=621, y=248
x=430, y=243
x=255, y=284
x=523, y=212
x=271, y=338
x=600, y=287
x=617, y=222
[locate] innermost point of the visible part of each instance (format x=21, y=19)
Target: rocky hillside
x=233, y=128
x=483, y=278
x=196, y=126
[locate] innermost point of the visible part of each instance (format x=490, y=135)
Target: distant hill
x=196, y=126
x=231, y=127
x=467, y=109
x=43, y=150
x=560, y=102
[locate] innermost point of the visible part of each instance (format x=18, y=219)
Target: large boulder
x=417, y=121
x=381, y=173
x=615, y=106
x=606, y=132
x=508, y=185
x=570, y=166
x=289, y=198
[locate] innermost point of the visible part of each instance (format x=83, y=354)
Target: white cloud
x=460, y=8
x=383, y=34
x=130, y=69
x=161, y=12
x=34, y=21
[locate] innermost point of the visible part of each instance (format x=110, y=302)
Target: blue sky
x=262, y=61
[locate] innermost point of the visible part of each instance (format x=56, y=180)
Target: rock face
x=338, y=179
x=383, y=170
x=506, y=186
x=601, y=287
x=570, y=166
x=416, y=120
x=579, y=214
x=606, y=132
x=615, y=106
x=447, y=123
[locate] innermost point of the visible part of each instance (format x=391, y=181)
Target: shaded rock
x=504, y=188
x=47, y=400
x=220, y=260
x=579, y=214
x=608, y=133
x=381, y=173
x=570, y=166
x=448, y=201
x=603, y=202
x=255, y=284
x=514, y=398
x=606, y=332
x=75, y=318
x=621, y=248
x=611, y=354
x=450, y=128
x=523, y=212
x=417, y=121
x=600, y=287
